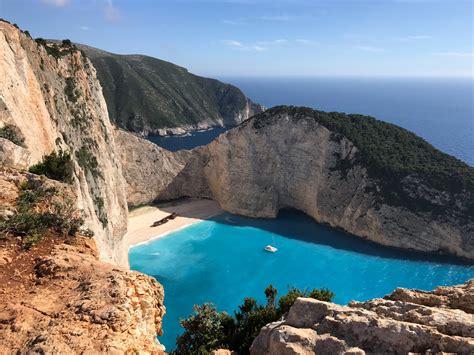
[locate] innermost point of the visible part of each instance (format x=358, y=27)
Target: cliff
x=146, y=95
x=406, y=321
x=366, y=177
x=50, y=97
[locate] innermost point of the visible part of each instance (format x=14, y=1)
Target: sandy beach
x=189, y=211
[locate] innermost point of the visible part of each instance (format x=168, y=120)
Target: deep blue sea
x=439, y=110
x=222, y=260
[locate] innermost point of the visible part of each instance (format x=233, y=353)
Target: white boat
x=271, y=249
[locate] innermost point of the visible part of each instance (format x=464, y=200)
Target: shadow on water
x=306, y=229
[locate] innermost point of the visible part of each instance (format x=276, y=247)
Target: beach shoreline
x=189, y=211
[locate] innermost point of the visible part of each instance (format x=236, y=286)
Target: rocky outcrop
x=13, y=156
x=149, y=96
x=51, y=95
x=81, y=305
x=282, y=160
x=407, y=321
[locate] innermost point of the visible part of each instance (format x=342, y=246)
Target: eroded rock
x=403, y=322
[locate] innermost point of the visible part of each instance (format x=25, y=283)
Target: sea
x=439, y=110
x=221, y=260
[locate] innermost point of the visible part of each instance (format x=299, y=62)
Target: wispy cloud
x=111, y=12
x=273, y=42
x=58, y=3
x=454, y=54
x=413, y=38
x=283, y=18
x=233, y=22
x=370, y=49
x=85, y=28
x=243, y=47
x=308, y=42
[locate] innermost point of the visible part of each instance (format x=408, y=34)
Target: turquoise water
x=222, y=260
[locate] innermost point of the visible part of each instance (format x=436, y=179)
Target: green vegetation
x=13, y=134
x=57, y=50
x=88, y=161
x=207, y=329
x=70, y=90
x=56, y=166
x=39, y=210
x=141, y=91
x=398, y=159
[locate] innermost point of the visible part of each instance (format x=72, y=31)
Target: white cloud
x=413, y=38
x=58, y=3
x=308, y=42
x=277, y=18
x=240, y=46
x=272, y=43
x=455, y=54
x=85, y=28
x=233, y=22
x=111, y=12
x=370, y=49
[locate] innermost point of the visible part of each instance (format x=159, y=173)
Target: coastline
x=189, y=211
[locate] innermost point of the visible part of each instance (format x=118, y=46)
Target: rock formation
x=77, y=304
x=281, y=159
x=407, y=321
x=51, y=95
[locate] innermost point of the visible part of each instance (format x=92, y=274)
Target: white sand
x=189, y=211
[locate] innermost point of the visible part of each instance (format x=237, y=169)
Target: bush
x=207, y=329
x=56, y=166
x=39, y=210
x=13, y=134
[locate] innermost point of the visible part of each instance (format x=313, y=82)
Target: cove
x=221, y=260
x=187, y=141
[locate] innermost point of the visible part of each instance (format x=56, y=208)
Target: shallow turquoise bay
x=222, y=260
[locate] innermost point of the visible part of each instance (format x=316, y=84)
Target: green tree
x=205, y=330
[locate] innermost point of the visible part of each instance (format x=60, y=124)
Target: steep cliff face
x=407, y=321
x=52, y=96
x=147, y=95
x=285, y=158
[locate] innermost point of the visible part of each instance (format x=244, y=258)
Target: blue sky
x=268, y=37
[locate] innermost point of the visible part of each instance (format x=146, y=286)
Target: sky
x=268, y=38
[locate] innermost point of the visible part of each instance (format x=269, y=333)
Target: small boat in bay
x=271, y=249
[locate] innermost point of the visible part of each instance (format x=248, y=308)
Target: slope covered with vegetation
x=145, y=93
x=411, y=172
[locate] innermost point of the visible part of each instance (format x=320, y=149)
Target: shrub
x=40, y=209
x=13, y=134
x=56, y=166
x=207, y=329
x=88, y=161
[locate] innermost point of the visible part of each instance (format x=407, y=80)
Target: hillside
x=150, y=96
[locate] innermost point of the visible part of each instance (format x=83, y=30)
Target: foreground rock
x=403, y=322
x=79, y=304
